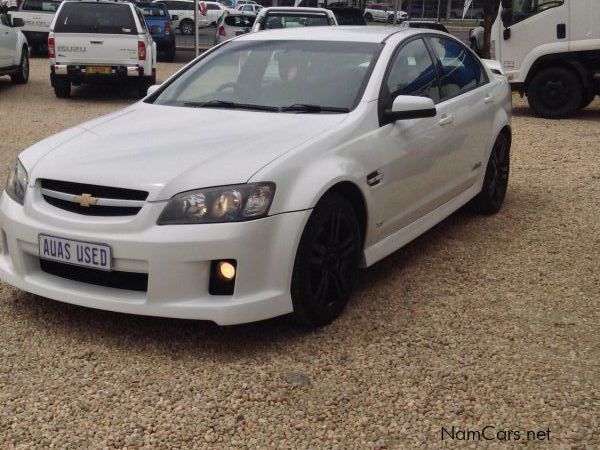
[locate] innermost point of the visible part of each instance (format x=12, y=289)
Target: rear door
x=102, y=33
x=7, y=46
x=466, y=110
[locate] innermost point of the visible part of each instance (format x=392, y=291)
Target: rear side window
x=239, y=21
x=212, y=6
x=412, y=73
x=49, y=6
x=102, y=18
x=459, y=70
x=154, y=11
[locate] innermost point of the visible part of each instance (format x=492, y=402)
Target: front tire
x=326, y=262
x=22, y=76
x=495, y=183
x=555, y=93
x=369, y=17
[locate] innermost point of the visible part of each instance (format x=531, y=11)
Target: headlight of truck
x=234, y=203
x=16, y=182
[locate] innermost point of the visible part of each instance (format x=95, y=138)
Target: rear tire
x=22, y=76
x=369, y=17
x=495, y=183
x=62, y=87
x=186, y=27
x=326, y=262
x=555, y=93
x=390, y=18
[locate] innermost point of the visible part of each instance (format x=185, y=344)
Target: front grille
x=131, y=281
x=103, y=192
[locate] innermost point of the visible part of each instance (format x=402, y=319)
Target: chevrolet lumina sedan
x=348, y=143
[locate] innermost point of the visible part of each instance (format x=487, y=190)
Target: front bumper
x=176, y=258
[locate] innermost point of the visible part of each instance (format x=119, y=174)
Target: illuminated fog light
x=226, y=270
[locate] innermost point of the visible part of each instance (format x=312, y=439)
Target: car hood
x=166, y=150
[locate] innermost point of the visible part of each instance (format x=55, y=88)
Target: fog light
x=226, y=270
x=222, y=276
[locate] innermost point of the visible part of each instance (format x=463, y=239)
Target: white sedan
x=348, y=143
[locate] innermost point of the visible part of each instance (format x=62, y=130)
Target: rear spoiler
x=494, y=66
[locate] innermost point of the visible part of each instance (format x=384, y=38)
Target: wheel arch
x=354, y=195
x=560, y=61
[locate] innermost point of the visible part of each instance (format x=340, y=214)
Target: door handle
x=489, y=99
x=96, y=42
x=446, y=120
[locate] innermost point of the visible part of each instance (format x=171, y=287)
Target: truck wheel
x=62, y=87
x=186, y=27
x=555, y=93
x=390, y=18
x=22, y=76
x=369, y=17
x=587, y=98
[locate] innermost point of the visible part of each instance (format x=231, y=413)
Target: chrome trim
x=100, y=202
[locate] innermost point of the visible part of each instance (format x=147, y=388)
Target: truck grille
x=92, y=200
x=131, y=281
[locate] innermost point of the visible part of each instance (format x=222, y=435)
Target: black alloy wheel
x=495, y=183
x=326, y=262
x=555, y=93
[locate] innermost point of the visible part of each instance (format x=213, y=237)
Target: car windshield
x=308, y=76
x=294, y=20
x=239, y=21
x=109, y=18
x=41, y=5
x=154, y=11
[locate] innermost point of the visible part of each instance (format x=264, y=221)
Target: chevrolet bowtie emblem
x=85, y=200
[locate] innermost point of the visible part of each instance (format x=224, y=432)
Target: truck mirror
x=507, y=15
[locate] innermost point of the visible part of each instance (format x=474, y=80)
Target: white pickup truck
x=14, y=51
x=98, y=41
x=37, y=16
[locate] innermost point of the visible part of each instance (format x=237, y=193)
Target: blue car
x=159, y=23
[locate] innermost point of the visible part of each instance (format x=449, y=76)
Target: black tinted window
x=211, y=6
x=95, y=18
x=154, y=11
x=460, y=71
x=49, y=6
x=412, y=73
x=240, y=21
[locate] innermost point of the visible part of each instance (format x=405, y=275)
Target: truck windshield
x=49, y=6
x=523, y=9
x=106, y=18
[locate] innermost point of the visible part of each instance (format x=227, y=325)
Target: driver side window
x=412, y=73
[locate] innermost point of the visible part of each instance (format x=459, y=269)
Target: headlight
x=219, y=204
x=16, y=182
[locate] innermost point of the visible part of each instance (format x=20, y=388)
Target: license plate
x=98, y=70
x=78, y=253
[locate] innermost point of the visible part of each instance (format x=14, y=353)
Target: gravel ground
x=483, y=321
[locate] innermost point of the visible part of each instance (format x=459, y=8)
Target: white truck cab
x=93, y=41
x=550, y=51
x=14, y=51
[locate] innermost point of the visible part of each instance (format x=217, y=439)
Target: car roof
x=346, y=33
x=296, y=9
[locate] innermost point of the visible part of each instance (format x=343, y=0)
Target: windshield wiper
x=305, y=107
x=229, y=105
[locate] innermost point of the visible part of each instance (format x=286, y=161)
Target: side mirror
x=152, y=89
x=507, y=15
x=175, y=17
x=410, y=107
x=17, y=22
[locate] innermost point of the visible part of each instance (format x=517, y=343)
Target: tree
x=490, y=12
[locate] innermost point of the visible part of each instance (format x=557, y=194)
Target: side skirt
x=410, y=232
